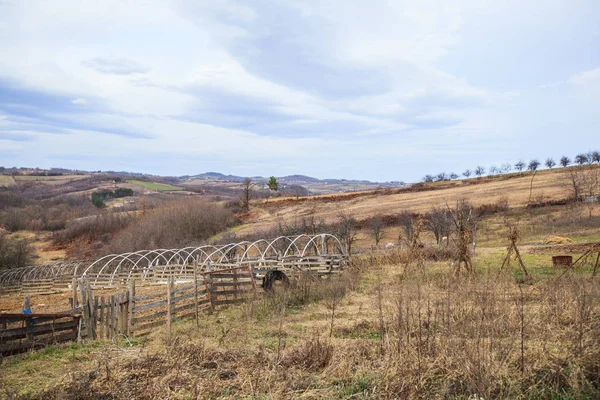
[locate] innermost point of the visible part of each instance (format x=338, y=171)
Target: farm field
x=50, y=180
x=547, y=185
x=160, y=187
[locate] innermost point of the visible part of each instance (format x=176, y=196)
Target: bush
x=181, y=223
x=15, y=253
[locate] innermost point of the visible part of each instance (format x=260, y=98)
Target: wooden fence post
x=130, y=328
x=74, y=287
x=102, y=318
x=196, y=292
x=208, y=286
x=85, y=308
x=91, y=309
x=169, y=307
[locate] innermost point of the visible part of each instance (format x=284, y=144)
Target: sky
x=377, y=90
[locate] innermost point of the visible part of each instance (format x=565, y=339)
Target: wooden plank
x=37, y=330
x=21, y=347
x=149, y=317
x=15, y=317
x=154, y=324
x=144, y=298
x=239, y=283
x=150, y=305
x=183, y=288
x=183, y=297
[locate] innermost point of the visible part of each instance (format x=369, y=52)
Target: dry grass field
x=382, y=331
x=547, y=185
x=50, y=180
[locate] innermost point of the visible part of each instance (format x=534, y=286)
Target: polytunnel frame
x=149, y=260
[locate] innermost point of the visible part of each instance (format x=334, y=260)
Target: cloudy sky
x=379, y=90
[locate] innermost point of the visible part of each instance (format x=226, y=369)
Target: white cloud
x=585, y=77
x=266, y=81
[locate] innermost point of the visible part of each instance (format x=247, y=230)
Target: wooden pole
x=102, y=318
x=130, y=328
x=196, y=292
x=74, y=287
x=85, y=309
x=169, y=309
x=91, y=310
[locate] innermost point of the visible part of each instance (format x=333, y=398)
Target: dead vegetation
x=412, y=335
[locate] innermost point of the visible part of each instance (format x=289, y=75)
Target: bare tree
x=505, y=168
x=533, y=165
x=520, y=165
x=581, y=159
x=465, y=225
x=439, y=222
x=406, y=222
x=595, y=156
x=494, y=170
x=479, y=171
x=467, y=173
x=441, y=177
x=428, y=178
x=550, y=162
x=347, y=229
x=583, y=182
x=246, y=193
x=377, y=227
x=565, y=161
x=453, y=175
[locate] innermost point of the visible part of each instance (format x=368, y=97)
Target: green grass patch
x=160, y=187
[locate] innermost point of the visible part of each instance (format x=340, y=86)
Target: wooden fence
x=22, y=332
x=126, y=313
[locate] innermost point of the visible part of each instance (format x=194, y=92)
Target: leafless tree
x=505, y=168
x=467, y=173
x=581, y=159
x=550, y=162
x=479, y=171
x=246, y=193
x=428, y=178
x=441, y=177
x=453, y=175
x=494, y=170
x=533, y=165
x=347, y=229
x=520, y=165
x=406, y=222
x=465, y=226
x=377, y=228
x=565, y=161
x=439, y=222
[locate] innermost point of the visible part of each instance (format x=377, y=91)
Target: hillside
x=515, y=189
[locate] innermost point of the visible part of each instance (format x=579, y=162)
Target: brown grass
x=547, y=185
x=422, y=335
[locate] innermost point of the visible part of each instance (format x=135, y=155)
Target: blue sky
x=373, y=90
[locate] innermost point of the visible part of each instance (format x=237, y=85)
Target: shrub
x=15, y=253
x=181, y=223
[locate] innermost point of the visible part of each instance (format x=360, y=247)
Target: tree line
x=580, y=159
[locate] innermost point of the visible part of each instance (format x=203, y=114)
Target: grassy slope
x=161, y=187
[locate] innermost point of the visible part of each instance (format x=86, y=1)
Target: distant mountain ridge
x=289, y=179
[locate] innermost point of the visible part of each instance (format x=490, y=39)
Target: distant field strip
x=161, y=187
